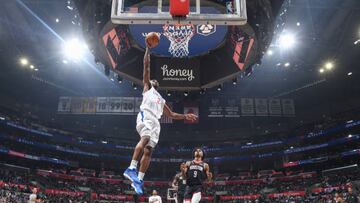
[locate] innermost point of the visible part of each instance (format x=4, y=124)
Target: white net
x=179, y=37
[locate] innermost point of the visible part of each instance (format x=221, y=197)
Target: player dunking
x=147, y=125
x=196, y=172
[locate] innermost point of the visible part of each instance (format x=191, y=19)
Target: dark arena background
x=277, y=100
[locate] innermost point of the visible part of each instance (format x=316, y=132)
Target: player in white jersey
x=33, y=196
x=155, y=198
x=147, y=125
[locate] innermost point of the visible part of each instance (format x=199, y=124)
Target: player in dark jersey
x=179, y=183
x=196, y=172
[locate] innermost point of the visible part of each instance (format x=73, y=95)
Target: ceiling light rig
x=329, y=65
x=24, y=61
x=287, y=41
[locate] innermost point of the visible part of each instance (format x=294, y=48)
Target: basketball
x=152, y=39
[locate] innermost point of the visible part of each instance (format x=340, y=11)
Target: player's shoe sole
x=138, y=191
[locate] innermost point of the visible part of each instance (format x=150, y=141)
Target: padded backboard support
x=236, y=14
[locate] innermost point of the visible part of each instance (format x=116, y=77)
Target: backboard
x=230, y=12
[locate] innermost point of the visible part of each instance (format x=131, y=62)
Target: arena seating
x=56, y=187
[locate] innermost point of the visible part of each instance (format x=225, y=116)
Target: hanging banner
x=247, y=107
x=102, y=105
x=64, y=105
x=115, y=104
x=89, y=105
x=127, y=105
x=76, y=105
x=232, y=108
x=274, y=107
x=215, y=108
x=288, y=107
x=261, y=107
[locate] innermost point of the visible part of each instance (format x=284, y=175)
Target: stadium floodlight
x=24, y=61
x=287, y=41
x=235, y=81
x=74, y=49
x=287, y=64
x=32, y=66
x=134, y=86
x=329, y=65
x=270, y=52
x=321, y=70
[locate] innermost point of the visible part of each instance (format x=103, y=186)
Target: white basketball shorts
x=148, y=125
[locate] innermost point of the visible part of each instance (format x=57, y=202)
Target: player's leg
x=145, y=161
x=154, y=133
x=131, y=172
x=188, y=194
x=180, y=198
x=139, y=149
x=196, y=197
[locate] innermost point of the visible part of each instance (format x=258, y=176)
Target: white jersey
x=153, y=102
x=155, y=199
x=32, y=198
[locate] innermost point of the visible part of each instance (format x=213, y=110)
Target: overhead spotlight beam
x=287, y=41
x=24, y=61
x=329, y=65
x=74, y=49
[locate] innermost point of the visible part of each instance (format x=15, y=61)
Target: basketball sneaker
x=138, y=187
x=131, y=174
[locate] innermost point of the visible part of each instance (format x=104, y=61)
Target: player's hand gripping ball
x=152, y=39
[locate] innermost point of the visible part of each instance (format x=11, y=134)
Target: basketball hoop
x=179, y=36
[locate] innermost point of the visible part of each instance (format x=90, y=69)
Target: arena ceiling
x=324, y=31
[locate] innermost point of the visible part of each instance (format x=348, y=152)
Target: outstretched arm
x=146, y=72
x=208, y=173
x=176, y=116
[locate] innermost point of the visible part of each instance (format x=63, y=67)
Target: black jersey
x=195, y=174
x=181, y=183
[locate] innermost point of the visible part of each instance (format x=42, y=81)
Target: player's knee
x=144, y=141
x=148, y=151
